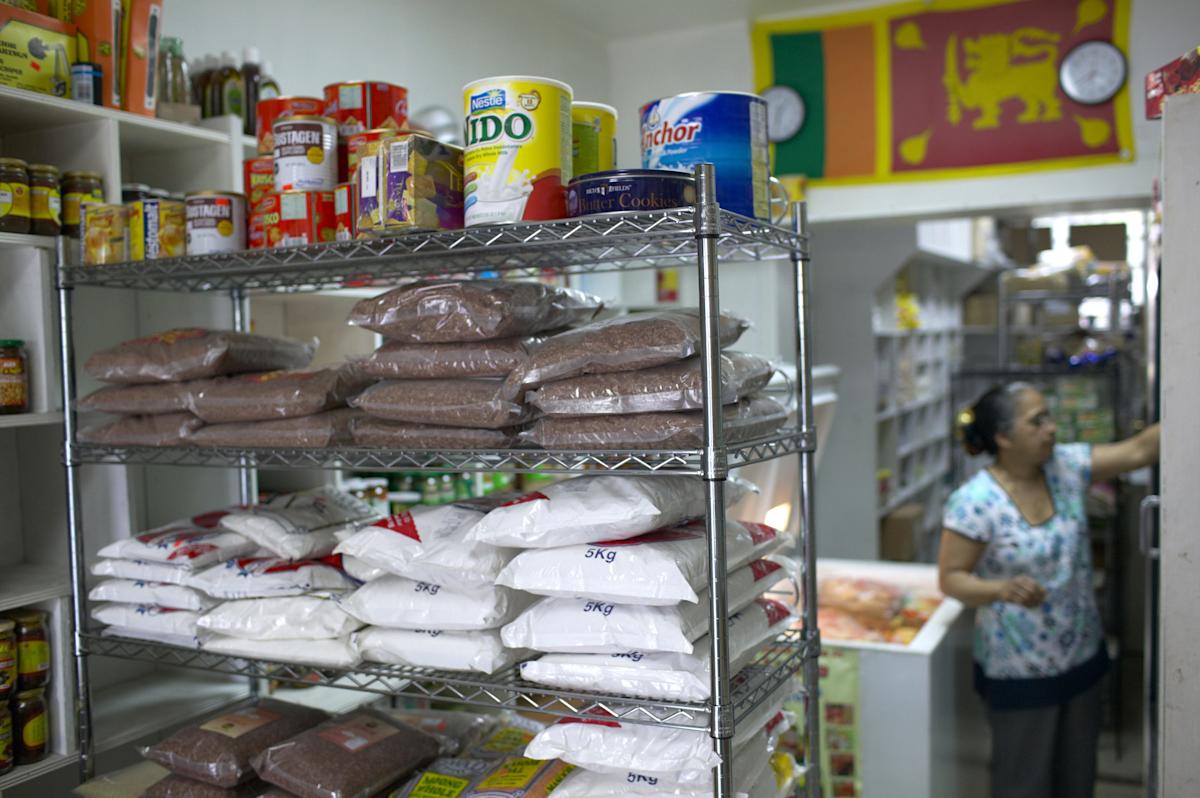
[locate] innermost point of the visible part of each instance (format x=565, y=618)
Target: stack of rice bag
x=430, y=597
x=154, y=379
x=450, y=348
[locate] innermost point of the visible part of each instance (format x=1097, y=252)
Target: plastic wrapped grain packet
x=472, y=310
x=396, y=360
x=299, y=526
x=151, y=399
x=193, y=353
x=274, y=394
x=456, y=730
x=676, y=386
x=377, y=432
x=482, y=404
x=218, y=751
x=320, y=431
x=625, y=343
x=749, y=419
x=601, y=507
x=168, y=429
x=179, y=787
x=483, y=651
x=352, y=756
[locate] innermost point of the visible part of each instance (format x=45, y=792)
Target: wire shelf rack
x=606, y=242
x=519, y=461
x=772, y=668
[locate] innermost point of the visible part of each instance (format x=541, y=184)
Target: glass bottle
x=31, y=733
x=268, y=87
x=251, y=78
x=173, y=74
x=229, y=91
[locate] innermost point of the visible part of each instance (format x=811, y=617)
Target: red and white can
x=258, y=179
x=270, y=109
x=298, y=218
x=358, y=105
x=343, y=212
x=256, y=231
x=216, y=222
x=305, y=153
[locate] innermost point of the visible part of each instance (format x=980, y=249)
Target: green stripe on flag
x=800, y=63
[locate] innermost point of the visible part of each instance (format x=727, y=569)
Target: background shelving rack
x=703, y=235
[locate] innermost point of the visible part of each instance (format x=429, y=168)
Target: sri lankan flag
x=834, y=71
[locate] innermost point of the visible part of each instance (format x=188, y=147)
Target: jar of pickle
x=14, y=196
x=31, y=730
x=33, y=649
x=78, y=187
x=6, y=740
x=8, y=659
x=45, y=200
x=14, y=377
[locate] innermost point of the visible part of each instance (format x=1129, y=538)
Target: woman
x=1015, y=545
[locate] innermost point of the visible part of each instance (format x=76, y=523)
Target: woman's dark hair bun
x=991, y=415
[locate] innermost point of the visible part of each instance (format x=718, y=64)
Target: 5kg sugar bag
x=396, y=360
x=146, y=617
x=218, y=750
x=669, y=388
x=471, y=310
x=143, y=570
x=602, y=507
x=658, y=568
x=401, y=603
x=360, y=570
x=184, y=544
x=433, y=648
x=161, y=594
x=606, y=746
x=350, y=756
x=274, y=394
x=267, y=577
x=666, y=677
x=299, y=526
x=431, y=544
x=192, y=353
x=589, y=626
x=168, y=429
x=335, y=652
x=625, y=343
x=183, y=641
x=315, y=616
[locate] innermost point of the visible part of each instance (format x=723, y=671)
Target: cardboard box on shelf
x=898, y=532
x=36, y=51
x=141, y=30
x=98, y=40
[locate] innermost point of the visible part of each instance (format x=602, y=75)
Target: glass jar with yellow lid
x=78, y=187
x=45, y=200
x=14, y=196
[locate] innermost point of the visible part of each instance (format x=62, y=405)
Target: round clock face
x=785, y=112
x=1092, y=73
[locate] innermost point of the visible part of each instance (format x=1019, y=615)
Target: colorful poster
x=943, y=89
x=841, y=757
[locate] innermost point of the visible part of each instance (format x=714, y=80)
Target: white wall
x=430, y=47
x=718, y=57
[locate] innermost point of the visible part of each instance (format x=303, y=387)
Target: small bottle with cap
x=230, y=92
x=251, y=78
x=268, y=87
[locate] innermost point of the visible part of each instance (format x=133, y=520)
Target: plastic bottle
x=251, y=77
x=230, y=91
x=268, y=87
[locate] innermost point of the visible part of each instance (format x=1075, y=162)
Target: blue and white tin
x=725, y=128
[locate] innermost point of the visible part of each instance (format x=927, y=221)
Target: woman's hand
x=1022, y=590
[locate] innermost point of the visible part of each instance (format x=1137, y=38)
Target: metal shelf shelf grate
x=586, y=244
x=542, y=461
x=504, y=689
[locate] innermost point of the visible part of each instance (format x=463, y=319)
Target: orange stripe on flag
x=849, y=55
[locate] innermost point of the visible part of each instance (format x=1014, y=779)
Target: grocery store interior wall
x=431, y=47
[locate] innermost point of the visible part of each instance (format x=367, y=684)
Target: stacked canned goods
x=148, y=224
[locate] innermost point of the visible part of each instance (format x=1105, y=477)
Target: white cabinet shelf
x=22, y=240
x=25, y=773
x=24, y=584
x=30, y=419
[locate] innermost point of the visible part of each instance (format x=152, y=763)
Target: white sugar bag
x=333, y=653
x=184, y=641
x=662, y=676
x=147, y=618
x=659, y=568
x=360, y=569
x=590, y=626
x=267, y=577
x=401, y=603
x=317, y=616
x=181, y=544
x=161, y=594
x=601, y=507
x=426, y=648
x=430, y=543
x=140, y=570
x=749, y=760
x=299, y=526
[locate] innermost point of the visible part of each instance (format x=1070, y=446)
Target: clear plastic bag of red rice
x=625, y=343
x=320, y=431
x=275, y=394
x=472, y=310
x=218, y=751
x=397, y=360
x=351, y=756
x=380, y=433
x=168, y=429
x=482, y=404
x=173, y=786
x=194, y=353
x=748, y=419
x=151, y=399
x=673, y=387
